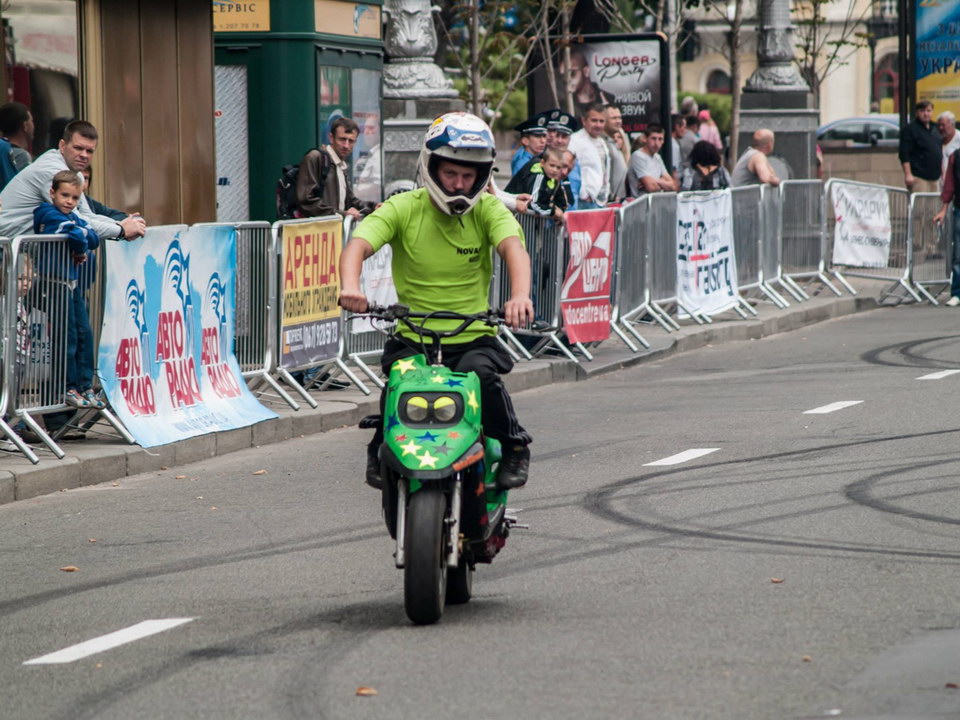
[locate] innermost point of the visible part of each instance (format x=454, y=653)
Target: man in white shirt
x=594, y=156
x=31, y=186
x=947, y=125
x=647, y=172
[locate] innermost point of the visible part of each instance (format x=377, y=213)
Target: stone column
x=777, y=97
x=416, y=90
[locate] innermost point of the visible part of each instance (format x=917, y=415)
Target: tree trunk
x=544, y=33
x=735, y=83
x=476, y=90
x=565, y=44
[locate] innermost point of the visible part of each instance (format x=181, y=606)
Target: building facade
x=142, y=72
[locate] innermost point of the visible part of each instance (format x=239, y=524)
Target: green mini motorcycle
x=440, y=499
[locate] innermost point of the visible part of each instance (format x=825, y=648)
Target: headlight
x=445, y=408
x=417, y=408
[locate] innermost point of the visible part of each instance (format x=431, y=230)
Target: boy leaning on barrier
x=57, y=217
x=542, y=179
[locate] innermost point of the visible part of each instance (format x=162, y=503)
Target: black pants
x=489, y=361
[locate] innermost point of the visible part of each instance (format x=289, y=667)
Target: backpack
x=7, y=169
x=287, y=208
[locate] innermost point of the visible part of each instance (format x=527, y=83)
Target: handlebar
x=404, y=314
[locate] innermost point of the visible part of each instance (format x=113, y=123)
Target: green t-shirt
x=441, y=262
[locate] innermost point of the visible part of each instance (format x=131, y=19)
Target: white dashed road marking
x=683, y=457
x=832, y=407
x=108, y=642
x=938, y=375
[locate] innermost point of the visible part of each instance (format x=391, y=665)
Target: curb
x=95, y=461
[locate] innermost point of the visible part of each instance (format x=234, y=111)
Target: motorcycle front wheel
x=425, y=566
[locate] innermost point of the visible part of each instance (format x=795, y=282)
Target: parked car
x=865, y=131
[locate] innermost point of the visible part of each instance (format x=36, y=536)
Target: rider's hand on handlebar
x=518, y=311
x=353, y=301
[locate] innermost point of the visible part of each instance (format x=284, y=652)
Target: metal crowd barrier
x=545, y=241
x=16, y=276
x=662, y=249
x=634, y=276
x=321, y=366
x=362, y=344
x=900, y=256
x=747, y=239
x=932, y=263
x=770, y=246
x=255, y=316
x=802, y=245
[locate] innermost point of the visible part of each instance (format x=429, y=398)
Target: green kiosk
x=284, y=71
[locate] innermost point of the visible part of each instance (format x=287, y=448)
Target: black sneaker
x=514, y=468
x=373, y=470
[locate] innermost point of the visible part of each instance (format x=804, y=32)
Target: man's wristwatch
x=121, y=236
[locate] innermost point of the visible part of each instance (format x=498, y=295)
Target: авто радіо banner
x=166, y=348
x=310, y=324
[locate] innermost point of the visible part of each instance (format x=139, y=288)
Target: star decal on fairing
x=427, y=460
x=454, y=435
x=410, y=448
x=442, y=449
x=400, y=438
x=404, y=365
x=472, y=400
x=455, y=383
x=392, y=422
x=427, y=437
x=437, y=379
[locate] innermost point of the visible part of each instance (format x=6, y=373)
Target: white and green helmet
x=463, y=139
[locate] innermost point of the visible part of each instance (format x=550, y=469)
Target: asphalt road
x=806, y=566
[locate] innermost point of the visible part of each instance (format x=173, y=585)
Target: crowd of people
x=47, y=195
x=565, y=163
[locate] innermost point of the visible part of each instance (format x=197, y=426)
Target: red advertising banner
x=585, y=295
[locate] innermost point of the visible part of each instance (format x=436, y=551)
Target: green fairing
x=413, y=446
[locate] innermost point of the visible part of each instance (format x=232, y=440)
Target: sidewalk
x=100, y=459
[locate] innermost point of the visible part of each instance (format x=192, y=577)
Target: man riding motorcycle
x=441, y=235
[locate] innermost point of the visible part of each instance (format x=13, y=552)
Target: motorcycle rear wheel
x=425, y=566
x=460, y=584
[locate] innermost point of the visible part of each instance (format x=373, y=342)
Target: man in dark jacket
x=323, y=184
x=920, y=151
x=951, y=195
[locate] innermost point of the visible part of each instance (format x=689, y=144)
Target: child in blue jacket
x=57, y=217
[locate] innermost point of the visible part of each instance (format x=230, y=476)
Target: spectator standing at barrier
x=706, y=170
x=31, y=187
x=569, y=165
x=533, y=139
x=613, y=136
x=753, y=167
x=647, y=172
x=323, y=184
x=951, y=194
x=678, y=126
x=57, y=217
x=560, y=127
x=950, y=140
x=594, y=157
x=709, y=130
x=921, y=152
x=686, y=141
x=16, y=125
x=542, y=179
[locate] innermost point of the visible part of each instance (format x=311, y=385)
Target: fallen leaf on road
x=164, y=467
x=116, y=484
x=260, y=472
x=179, y=477
x=199, y=497
x=213, y=507
x=364, y=691
x=91, y=539
x=69, y=568
x=99, y=665
x=776, y=581
x=953, y=686
x=807, y=658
